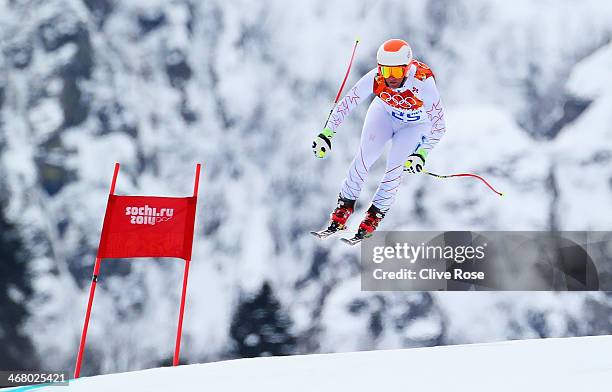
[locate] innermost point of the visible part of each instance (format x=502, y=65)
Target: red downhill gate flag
x=148, y=226
x=145, y=226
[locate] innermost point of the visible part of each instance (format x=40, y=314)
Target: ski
x=352, y=241
x=357, y=238
x=321, y=234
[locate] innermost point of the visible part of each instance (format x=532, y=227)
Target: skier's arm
x=359, y=92
x=434, y=110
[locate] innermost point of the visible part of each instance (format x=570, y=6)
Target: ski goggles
x=396, y=71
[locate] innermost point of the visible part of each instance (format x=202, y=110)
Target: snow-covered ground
x=551, y=365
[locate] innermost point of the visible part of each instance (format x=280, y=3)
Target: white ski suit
x=412, y=117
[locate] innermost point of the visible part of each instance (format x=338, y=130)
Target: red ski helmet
x=394, y=52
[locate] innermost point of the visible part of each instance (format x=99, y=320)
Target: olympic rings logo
x=399, y=100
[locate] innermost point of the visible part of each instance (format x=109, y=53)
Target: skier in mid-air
x=406, y=110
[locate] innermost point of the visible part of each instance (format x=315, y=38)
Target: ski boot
x=339, y=216
x=367, y=226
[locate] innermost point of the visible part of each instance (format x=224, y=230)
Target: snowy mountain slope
x=243, y=87
x=558, y=365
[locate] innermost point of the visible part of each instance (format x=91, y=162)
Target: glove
x=415, y=163
x=322, y=143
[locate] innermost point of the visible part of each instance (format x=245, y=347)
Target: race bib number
x=406, y=116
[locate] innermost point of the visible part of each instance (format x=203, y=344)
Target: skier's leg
x=404, y=142
x=377, y=130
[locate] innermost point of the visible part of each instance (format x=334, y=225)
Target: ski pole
x=464, y=175
x=343, y=83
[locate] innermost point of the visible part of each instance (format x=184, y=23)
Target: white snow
x=559, y=365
